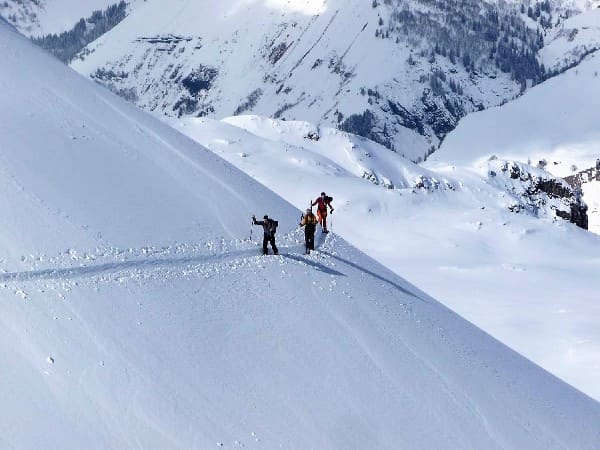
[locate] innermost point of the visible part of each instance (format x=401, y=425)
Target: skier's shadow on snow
x=120, y=266
x=316, y=265
x=375, y=275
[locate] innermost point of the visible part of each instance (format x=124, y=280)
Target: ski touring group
x=308, y=221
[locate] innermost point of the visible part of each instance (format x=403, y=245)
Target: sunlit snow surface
x=530, y=282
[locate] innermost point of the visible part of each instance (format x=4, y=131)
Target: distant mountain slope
x=41, y=17
x=400, y=73
x=570, y=41
x=69, y=43
x=134, y=312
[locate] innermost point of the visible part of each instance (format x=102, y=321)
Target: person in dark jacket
x=309, y=222
x=269, y=229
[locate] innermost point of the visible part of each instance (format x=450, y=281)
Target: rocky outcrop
x=585, y=176
x=539, y=193
x=577, y=181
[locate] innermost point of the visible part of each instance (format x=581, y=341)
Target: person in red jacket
x=322, y=203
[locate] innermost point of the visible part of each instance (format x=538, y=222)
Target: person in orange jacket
x=322, y=203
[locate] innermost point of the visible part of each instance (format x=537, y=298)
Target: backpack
x=273, y=224
x=328, y=199
x=311, y=219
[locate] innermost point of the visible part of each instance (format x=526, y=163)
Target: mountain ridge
x=363, y=68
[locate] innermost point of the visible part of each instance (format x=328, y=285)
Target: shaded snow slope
x=160, y=328
x=530, y=281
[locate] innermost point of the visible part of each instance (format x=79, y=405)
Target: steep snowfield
x=448, y=230
x=134, y=315
x=556, y=121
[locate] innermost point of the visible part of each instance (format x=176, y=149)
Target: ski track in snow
x=168, y=264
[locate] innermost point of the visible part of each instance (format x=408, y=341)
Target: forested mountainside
x=399, y=72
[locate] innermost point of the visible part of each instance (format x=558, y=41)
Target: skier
x=309, y=222
x=322, y=203
x=269, y=228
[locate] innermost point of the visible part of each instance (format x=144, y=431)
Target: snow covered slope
x=449, y=230
x=134, y=315
x=555, y=123
x=572, y=40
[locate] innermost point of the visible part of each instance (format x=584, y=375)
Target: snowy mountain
x=136, y=314
x=400, y=73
